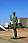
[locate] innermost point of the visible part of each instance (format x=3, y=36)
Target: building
x=24, y=21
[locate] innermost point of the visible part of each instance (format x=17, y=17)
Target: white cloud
x=6, y=24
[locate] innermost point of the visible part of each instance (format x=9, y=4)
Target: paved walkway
x=5, y=37
x=13, y=40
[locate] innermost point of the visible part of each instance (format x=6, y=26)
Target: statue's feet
x=13, y=37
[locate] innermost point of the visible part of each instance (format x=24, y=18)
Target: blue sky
x=8, y=6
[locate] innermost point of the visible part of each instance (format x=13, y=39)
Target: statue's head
x=14, y=13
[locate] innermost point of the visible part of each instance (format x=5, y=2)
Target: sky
x=7, y=7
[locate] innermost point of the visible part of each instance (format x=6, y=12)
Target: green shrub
x=20, y=27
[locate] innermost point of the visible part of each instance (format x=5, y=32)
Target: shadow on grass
x=18, y=38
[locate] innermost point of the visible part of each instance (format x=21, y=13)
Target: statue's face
x=14, y=13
